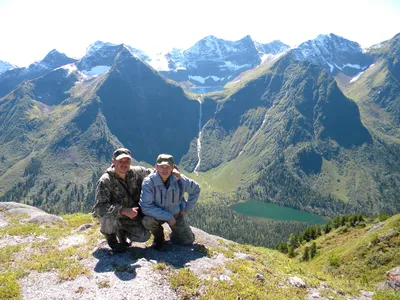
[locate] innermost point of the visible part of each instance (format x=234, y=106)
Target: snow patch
x=355, y=78
x=352, y=66
x=70, y=68
x=234, y=67
x=331, y=67
x=197, y=78
x=159, y=62
x=338, y=67
x=203, y=79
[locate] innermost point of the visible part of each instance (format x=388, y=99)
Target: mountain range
x=314, y=127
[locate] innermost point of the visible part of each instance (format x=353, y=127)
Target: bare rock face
x=393, y=278
x=36, y=215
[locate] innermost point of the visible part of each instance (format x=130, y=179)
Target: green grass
x=185, y=282
x=9, y=287
x=44, y=254
x=360, y=256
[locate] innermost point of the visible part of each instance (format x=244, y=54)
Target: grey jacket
x=162, y=203
x=113, y=193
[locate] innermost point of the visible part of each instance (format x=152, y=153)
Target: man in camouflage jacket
x=117, y=202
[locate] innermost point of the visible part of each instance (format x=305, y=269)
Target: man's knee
x=183, y=236
x=150, y=222
x=109, y=225
x=141, y=236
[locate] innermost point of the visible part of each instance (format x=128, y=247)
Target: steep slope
x=334, y=53
x=69, y=124
x=100, y=57
x=11, y=78
x=349, y=263
x=40, y=141
x=145, y=112
x=5, y=66
x=291, y=137
x=377, y=89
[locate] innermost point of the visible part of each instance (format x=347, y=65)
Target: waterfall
x=199, y=140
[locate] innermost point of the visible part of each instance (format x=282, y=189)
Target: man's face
x=122, y=166
x=164, y=171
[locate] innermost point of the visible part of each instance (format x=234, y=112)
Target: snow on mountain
x=11, y=78
x=213, y=62
x=334, y=53
x=5, y=66
x=100, y=57
x=274, y=47
x=52, y=60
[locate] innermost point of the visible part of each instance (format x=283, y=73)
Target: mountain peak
x=96, y=46
x=55, y=59
x=5, y=66
x=333, y=52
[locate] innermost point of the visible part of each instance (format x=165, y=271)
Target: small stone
x=260, y=276
x=296, y=282
x=224, y=278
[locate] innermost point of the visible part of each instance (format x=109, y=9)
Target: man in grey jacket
x=117, y=202
x=162, y=200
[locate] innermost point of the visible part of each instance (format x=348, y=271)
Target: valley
x=318, y=133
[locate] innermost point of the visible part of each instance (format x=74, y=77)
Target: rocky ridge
x=212, y=268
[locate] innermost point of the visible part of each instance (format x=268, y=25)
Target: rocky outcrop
x=393, y=278
x=35, y=215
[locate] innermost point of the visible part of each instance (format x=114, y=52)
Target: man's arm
x=148, y=205
x=193, y=189
x=103, y=205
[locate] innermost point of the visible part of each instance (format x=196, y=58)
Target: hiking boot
x=114, y=245
x=122, y=238
x=158, y=243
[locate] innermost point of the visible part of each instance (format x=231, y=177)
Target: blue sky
x=30, y=29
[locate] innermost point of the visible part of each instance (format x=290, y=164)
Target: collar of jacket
x=111, y=172
x=158, y=180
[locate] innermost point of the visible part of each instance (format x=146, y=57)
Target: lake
x=264, y=210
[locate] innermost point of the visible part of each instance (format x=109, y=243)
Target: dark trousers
x=181, y=231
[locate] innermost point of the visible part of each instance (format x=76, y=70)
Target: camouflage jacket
x=113, y=193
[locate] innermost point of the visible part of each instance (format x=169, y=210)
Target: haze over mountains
x=315, y=127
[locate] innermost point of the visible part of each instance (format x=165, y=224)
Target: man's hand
x=183, y=213
x=176, y=173
x=172, y=222
x=130, y=212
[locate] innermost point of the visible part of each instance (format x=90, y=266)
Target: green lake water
x=259, y=209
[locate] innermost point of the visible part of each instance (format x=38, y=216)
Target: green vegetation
x=185, y=283
x=348, y=254
x=44, y=253
x=216, y=218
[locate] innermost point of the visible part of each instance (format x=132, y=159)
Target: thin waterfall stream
x=199, y=140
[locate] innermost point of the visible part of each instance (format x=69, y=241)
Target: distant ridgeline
x=317, y=132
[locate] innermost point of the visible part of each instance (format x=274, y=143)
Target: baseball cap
x=121, y=153
x=165, y=159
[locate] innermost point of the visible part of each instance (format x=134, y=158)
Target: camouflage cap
x=165, y=159
x=121, y=153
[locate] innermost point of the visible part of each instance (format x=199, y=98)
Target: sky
x=30, y=29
